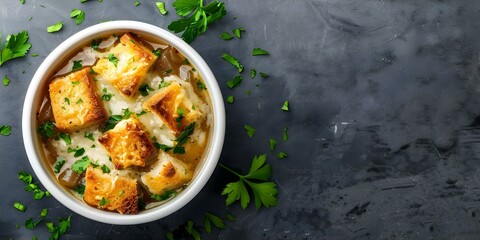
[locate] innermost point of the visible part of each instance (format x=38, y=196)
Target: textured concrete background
x=384, y=124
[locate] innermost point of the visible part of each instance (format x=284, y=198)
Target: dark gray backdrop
x=384, y=123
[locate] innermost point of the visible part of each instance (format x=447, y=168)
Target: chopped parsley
x=58, y=165
x=164, y=196
x=15, y=46
x=44, y=212
x=257, y=179
x=282, y=155
x=238, y=32
x=195, y=17
x=259, y=51
x=80, y=189
x=144, y=89
x=230, y=217
x=79, y=16
x=161, y=7
x=55, y=27
x=6, y=80
x=31, y=224
x=234, y=61
x=201, y=85
x=137, y=3
x=285, y=135
x=273, y=143
x=19, y=206
x=79, y=101
x=192, y=230
x=75, y=83
x=65, y=137
x=89, y=136
x=210, y=219
x=77, y=65
x=164, y=84
x=285, y=106
x=105, y=169
x=157, y=52
x=103, y=202
x=34, y=54
x=81, y=165
x=182, y=139
x=253, y=73
x=67, y=100
x=264, y=75
x=106, y=95
x=78, y=151
x=248, y=92
x=47, y=129
x=230, y=99
x=235, y=82
x=226, y=36
x=250, y=130
x=60, y=229
x=5, y=130
x=31, y=186
x=95, y=43
x=113, y=59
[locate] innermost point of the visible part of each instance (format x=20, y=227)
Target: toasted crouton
x=128, y=144
x=126, y=65
x=112, y=193
x=168, y=104
x=167, y=174
x=74, y=102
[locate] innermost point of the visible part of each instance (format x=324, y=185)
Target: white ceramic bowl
x=34, y=97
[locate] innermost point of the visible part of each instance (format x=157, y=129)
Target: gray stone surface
x=384, y=124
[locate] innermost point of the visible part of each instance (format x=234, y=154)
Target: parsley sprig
x=264, y=191
x=195, y=17
x=15, y=46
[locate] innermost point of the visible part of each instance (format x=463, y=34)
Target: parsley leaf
x=47, y=129
x=89, y=136
x=105, y=169
x=161, y=7
x=80, y=189
x=113, y=59
x=238, y=32
x=230, y=217
x=232, y=60
x=264, y=191
x=78, y=151
x=31, y=224
x=5, y=130
x=95, y=43
x=81, y=165
x=285, y=106
x=250, y=130
x=6, y=81
x=31, y=186
x=230, y=99
x=106, y=96
x=212, y=218
x=282, y=155
x=273, y=144
x=77, y=65
x=79, y=16
x=60, y=229
x=58, y=165
x=201, y=85
x=235, y=82
x=55, y=27
x=192, y=230
x=259, y=51
x=65, y=137
x=195, y=17
x=226, y=36
x=15, y=46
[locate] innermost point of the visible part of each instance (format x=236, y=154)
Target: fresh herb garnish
x=137, y=3
x=6, y=80
x=80, y=189
x=89, y=136
x=44, y=212
x=31, y=186
x=230, y=99
x=264, y=75
x=79, y=16
x=285, y=135
x=112, y=122
x=253, y=73
x=60, y=229
x=77, y=65
x=5, y=130
x=106, y=96
x=19, y=206
x=192, y=230
x=201, y=85
x=235, y=82
x=55, y=27
x=95, y=43
x=58, y=165
x=144, y=89
x=65, y=137
x=264, y=191
x=81, y=165
x=47, y=129
x=31, y=224
x=285, y=106
x=15, y=46
x=78, y=151
x=230, y=217
x=164, y=84
x=195, y=17
x=238, y=32
x=273, y=143
x=164, y=196
x=259, y=51
x=234, y=61
x=250, y=130
x=105, y=169
x=113, y=59
x=226, y=36
x=103, y=202
x=161, y=7
x=212, y=218
x=282, y=155
x=182, y=139
x=248, y=92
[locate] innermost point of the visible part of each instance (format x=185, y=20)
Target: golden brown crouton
x=167, y=104
x=167, y=174
x=128, y=144
x=112, y=193
x=126, y=65
x=74, y=102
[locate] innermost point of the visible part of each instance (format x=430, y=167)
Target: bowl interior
x=55, y=61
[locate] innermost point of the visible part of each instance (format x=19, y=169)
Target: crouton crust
x=74, y=102
x=119, y=193
x=128, y=144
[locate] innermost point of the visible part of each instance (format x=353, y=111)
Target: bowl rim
x=29, y=131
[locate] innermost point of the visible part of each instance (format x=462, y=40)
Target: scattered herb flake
x=19, y=206
x=95, y=43
x=60, y=229
x=103, y=202
x=113, y=59
x=47, y=129
x=161, y=7
x=44, y=212
x=264, y=75
x=253, y=73
x=105, y=169
x=89, y=136
x=58, y=165
x=65, y=137
x=226, y=36
x=282, y=155
x=5, y=130
x=285, y=106
x=201, y=85
x=77, y=65
x=137, y=3
x=81, y=165
x=259, y=51
x=6, y=81
x=230, y=99
x=285, y=135
x=164, y=196
x=34, y=54
x=55, y=27
x=31, y=224
x=238, y=32
x=250, y=130
x=273, y=143
x=80, y=189
x=235, y=82
x=144, y=89
x=234, y=61
x=230, y=217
